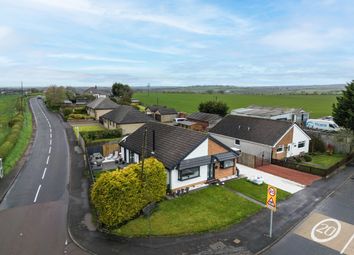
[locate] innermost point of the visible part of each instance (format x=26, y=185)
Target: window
x=188, y=173
x=280, y=148
x=301, y=144
x=237, y=142
x=227, y=163
x=131, y=157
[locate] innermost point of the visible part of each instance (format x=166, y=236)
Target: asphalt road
x=33, y=215
x=329, y=229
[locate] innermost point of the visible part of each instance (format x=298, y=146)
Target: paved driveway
x=279, y=182
x=290, y=174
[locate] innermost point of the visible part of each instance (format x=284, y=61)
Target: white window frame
x=282, y=148
x=301, y=142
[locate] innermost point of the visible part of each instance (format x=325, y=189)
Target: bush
x=307, y=158
x=120, y=195
x=76, y=116
x=297, y=159
x=67, y=112
x=81, y=110
x=316, y=144
x=89, y=136
x=16, y=124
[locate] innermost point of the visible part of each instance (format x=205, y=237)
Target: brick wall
x=288, y=138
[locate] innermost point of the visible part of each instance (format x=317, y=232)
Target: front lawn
x=324, y=161
x=208, y=209
x=78, y=129
x=257, y=192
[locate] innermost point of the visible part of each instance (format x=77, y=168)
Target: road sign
x=271, y=202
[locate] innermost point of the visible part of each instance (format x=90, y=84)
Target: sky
x=176, y=42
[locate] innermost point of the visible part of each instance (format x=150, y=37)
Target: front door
x=289, y=151
x=210, y=171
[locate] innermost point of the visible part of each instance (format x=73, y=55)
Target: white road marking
x=48, y=160
x=333, y=230
x=50, y=130
x=50, y=135
x=35, y=198
x=50, y=150
x=50, y=142
x=45, y=170
x=347, y=244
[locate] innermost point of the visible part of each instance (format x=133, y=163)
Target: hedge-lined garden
x=19, y=134
x=120, y=195
x=100, y=135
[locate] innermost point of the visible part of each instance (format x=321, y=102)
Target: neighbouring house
x=202, y=121
x=100, y=106
x=262, y=139
x=161, y=113
x=126, y=118
x=67, y=102
x=275, y=113
x=81, y=101
x=96, y=92
x=190, y=157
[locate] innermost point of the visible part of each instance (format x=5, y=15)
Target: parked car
x=320, y=124
x=96, y=159
x=178, y=120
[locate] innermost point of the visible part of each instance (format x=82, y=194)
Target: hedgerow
x=120, y=195
x=16, y=124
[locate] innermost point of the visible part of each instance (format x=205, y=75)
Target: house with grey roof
x=297, y=115
x=202, y=121
x=264, y=139
x=100, y=106
x=96, y=92
x=191, y=158
x=125, y=117
x=161, y=113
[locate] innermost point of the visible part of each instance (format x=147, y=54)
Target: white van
x=178, y=120
x=321, y=124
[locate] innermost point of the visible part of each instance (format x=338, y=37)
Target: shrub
x=298, y=159
x=89, y=136
x=307, y=158
x=316, y=144
x=120, y=195
x=77, y=116
x=67, y=111
x=80, y=110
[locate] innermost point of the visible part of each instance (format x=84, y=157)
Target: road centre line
x=347, y=244
x=45, y=170
x=50, y=135
x=50, y=130
x=35, y=198
x=50, y=142
x=50, y=150
x=48, y=160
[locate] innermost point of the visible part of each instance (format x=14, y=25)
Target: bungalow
x=161, y=113
x=96, y=92
x=204, y=120
x=126, y=118
x=190, y=157
x=100, y=106
x=263, y=138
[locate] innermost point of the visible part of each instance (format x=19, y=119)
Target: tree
x=120, y=195
x=55, y=96
x=343, y=110
x=123, y=92
x=216, y=107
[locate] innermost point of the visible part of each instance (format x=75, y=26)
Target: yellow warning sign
x=271, y=202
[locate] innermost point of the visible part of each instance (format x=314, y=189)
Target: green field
x=317, y=105
x=7, y=111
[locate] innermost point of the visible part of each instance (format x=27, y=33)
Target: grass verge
x=208, y=209
x=257, y=192
x=78, y=129
x=324, y=161
x=22, y=142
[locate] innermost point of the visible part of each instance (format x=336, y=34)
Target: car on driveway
x=96, y=159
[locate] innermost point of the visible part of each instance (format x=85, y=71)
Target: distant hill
x=228, y=89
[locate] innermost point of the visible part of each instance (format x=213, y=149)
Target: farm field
x=7, y=111
x=317, y=105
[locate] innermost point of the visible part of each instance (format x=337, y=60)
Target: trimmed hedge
x=16, y=124
x=77, y=116
x=120, y=195
x=90, y=136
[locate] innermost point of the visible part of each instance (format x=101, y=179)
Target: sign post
x=271, y=204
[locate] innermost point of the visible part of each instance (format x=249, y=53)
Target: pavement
x=33, y=213
x=271, y=179
x=290, y=174
x=247, y=237
x=329, y=229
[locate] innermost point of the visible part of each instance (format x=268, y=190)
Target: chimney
x=153, y=142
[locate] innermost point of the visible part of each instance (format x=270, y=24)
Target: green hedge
x=90, y=136
x=78, y=116
x=120, y=195
x=16, y=124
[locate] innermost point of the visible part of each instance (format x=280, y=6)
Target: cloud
x=303, y=38
x=92, y=57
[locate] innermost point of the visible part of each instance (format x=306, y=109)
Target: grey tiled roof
x=125, y=114
x=163, y=110
x=206, y=117
x=172, y=144
x=102, y=103
x=194, y=162
x=259, y=130
x=226, y=155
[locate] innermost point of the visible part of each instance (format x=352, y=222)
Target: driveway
x=274, y=180
x=290, y=174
